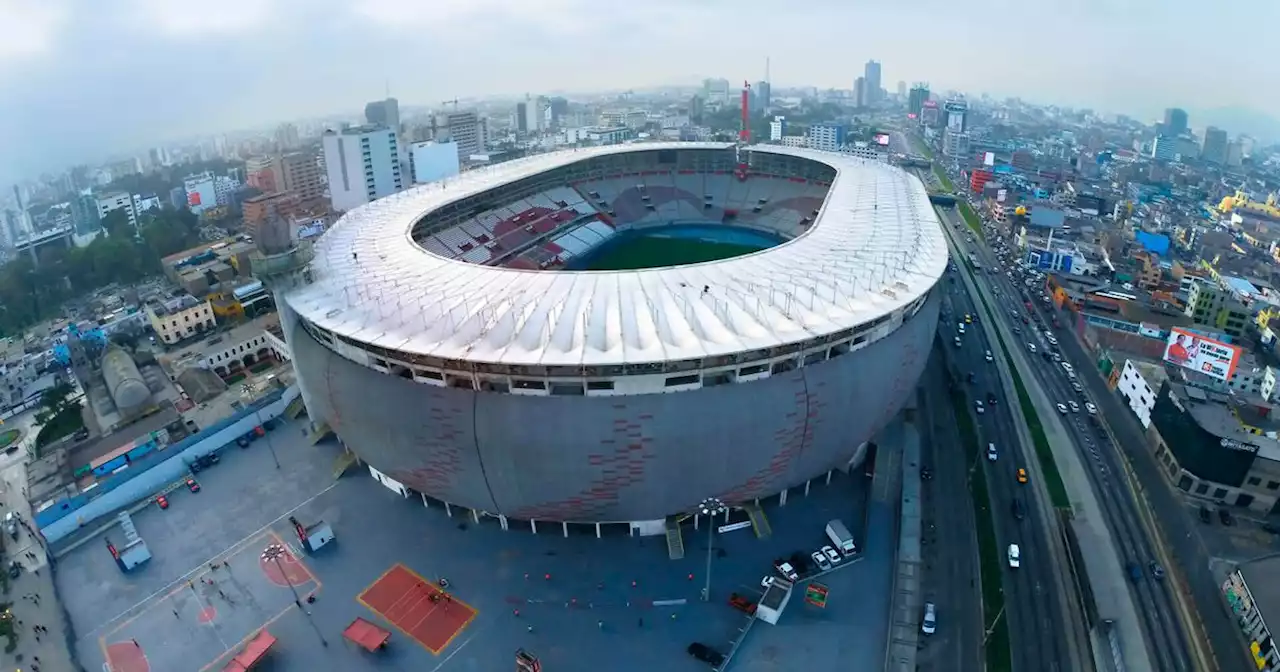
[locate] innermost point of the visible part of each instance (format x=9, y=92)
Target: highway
x=949, y=537
x=1032, y=602
x=1157, y=611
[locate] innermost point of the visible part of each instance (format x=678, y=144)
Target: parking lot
x=576, y=602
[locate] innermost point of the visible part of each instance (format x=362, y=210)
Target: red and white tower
x=744, y=135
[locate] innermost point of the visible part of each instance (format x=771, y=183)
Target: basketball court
x=417, y=607
x=207, y=619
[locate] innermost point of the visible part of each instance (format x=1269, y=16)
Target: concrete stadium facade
x=624, y=457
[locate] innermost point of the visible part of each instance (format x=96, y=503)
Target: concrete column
x=475, y=516
x=829, y=472
x=565, y=527
x=597, y=530
x=424, y=500
x=695, y=521
x=782, y=498
x=807, y=481
x=533, y=525
x=502, y=520
x=448, y=509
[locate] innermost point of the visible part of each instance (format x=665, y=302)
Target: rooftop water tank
x=124, y=383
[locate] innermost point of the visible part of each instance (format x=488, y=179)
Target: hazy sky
x=82, y=78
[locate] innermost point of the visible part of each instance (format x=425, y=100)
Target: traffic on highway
x=1033, y=599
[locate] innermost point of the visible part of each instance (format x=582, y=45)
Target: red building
x=978, y=179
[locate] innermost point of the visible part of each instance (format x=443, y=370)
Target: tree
x=53, y=401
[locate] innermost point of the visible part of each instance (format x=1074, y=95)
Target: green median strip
x=1048, y=467
x=989, y=552
x=971, y=219
x=943, y=179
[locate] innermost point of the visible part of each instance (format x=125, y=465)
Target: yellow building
x=180, y=318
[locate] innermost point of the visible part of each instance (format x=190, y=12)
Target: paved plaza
x=577, y=602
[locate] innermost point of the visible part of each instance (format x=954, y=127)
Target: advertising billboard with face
x=1201, y=354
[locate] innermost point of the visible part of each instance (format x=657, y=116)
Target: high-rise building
x=956, y=115
x=762, y=104
x=1175, y=121
x=300, y=173
x=955, y=143
x=1165, y=148
x=716, y=91
x=826, y=137
x=916, y=98
x=262, y=173
x=468, y=131
x=902, y=90
x=871, y=73
x=534, y=115
x=522, y=119
x=84, y=214
x=287, y=137
x=433, y=161
x=363, y=165
x=860, y=92
x=109, y=203
x=777, y=129
x=1215, y=145
x=385, y=113
x=696, y=109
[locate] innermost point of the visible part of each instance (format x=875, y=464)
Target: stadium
x=615, y=334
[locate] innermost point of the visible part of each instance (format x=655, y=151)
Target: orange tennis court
x=417, y=607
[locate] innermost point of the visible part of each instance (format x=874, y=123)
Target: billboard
x=882, y=139
x=1198, y=353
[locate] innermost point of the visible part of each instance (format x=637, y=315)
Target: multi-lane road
x=1153, y=601
x=948, y=535
x=1033, y=604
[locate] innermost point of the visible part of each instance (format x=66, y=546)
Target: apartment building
x=179, y=318
x=363, y=164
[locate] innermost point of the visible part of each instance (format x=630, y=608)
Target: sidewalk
x=34, y=600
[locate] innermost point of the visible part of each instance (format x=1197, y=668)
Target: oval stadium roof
x=875, y=247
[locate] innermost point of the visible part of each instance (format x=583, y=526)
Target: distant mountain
x=1236, y=120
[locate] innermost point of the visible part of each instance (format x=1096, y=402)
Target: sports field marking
x=402, y=597
x=311, y=581
x=199, y=569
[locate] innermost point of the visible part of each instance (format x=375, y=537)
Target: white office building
x=1137, y=391
x=826, y=137
x=117, y=201
x=201, y=193
x=777, y=129
x=362, y=164
x=433, y=161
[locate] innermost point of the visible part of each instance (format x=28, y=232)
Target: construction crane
x=453, y=102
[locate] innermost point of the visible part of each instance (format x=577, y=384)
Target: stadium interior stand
x=545, y=230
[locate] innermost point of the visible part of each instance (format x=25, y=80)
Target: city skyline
x=94, y=80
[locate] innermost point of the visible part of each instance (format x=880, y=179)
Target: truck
x=840, y=537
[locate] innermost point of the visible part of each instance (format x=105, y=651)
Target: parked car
x=162, y=501
x=706, y=654
x=820, y=560
x=785, y=569
x=11, y=524
x=193, y=485
x=1204, y=515
x=832, y=554
x=1225, y=516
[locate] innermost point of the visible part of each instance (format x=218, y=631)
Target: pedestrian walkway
x=38, y=615
x=906, y=599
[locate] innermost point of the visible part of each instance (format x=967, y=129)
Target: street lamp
x=248, y=390
x=710, y=507
x=273, y=553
